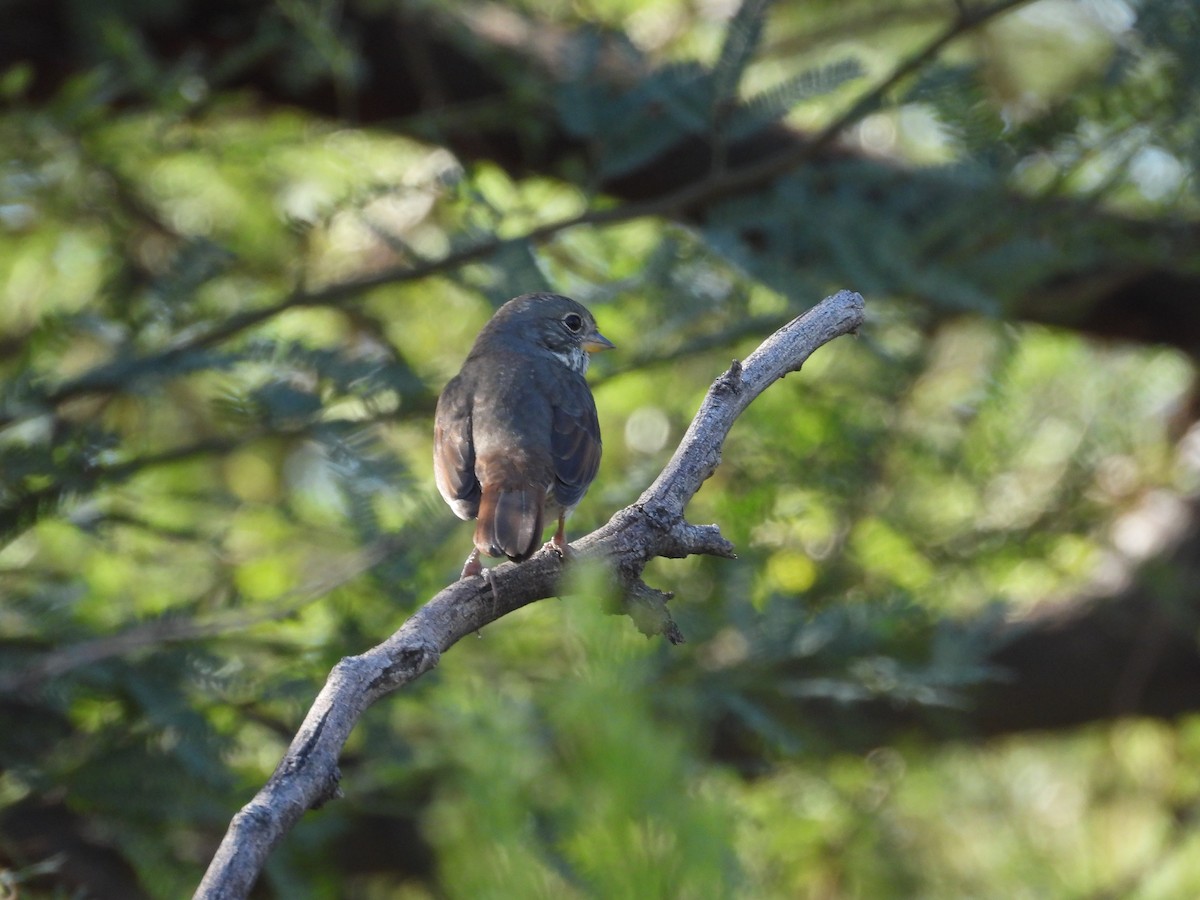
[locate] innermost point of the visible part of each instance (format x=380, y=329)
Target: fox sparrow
x=516, y=440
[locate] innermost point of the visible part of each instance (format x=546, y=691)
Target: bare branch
x=69, y=657
x=308, y=774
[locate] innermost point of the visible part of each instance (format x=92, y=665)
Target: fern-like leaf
x=742, y=38
x=774, y=103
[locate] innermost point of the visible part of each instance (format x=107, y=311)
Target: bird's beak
x=595, y=342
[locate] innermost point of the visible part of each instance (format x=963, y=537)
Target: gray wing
x=575, y=442
x=454, y=451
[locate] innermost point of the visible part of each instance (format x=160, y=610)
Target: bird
x=516, y=439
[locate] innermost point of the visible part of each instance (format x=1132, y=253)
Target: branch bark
x=308, y=774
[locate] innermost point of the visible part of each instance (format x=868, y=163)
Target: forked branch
x=308, y=774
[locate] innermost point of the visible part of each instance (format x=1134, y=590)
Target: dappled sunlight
x=244, y=249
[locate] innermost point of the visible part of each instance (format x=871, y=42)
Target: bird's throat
x=576, y=359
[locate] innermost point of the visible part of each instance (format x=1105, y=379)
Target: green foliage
x=773, y=103
x=625, y=129
x=589, y=797
x=222, y=331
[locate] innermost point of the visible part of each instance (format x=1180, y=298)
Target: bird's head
x=555, y=323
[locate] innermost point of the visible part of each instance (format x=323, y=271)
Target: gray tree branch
x=308, y=774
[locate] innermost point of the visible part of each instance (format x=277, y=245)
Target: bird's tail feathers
x=510, y=522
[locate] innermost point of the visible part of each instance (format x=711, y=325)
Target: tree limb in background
x=452, y=78
x=174, y=629
x=308, y=775
x=1067, y=663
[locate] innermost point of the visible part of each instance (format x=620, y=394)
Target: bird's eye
x=573, y=321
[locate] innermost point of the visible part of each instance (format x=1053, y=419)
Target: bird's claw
x=560, y=548
x=472, y=566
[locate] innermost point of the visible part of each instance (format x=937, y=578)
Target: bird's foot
x=472, y=566
x=559, y=545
